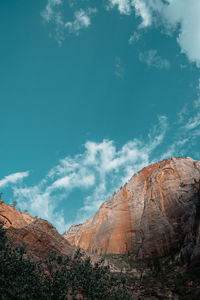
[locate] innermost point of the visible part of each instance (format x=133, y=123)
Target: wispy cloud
x=142, y=10
x=124, y=6
x=53, y=14
x=184, y=16
x=152, y=59
x=101, y=168
x=193, y=122
x=119, y=69
x=180, y=16
x=39, y=202
x=82, y=19
x=49, y=12
x=13, y=178
x=134, y=37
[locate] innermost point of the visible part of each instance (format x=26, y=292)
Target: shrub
x=54, y=277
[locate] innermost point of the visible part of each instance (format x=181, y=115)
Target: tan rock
x=39, y=235
x=155, y=213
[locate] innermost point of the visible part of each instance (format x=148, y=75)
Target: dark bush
x=54, y=277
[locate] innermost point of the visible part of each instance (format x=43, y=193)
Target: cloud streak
x=13, y=178
x=82, y=19
x=180, y=17
x=152, y=59
x=124, y=6
x=48, y=13
x=177, y=16
x=134, y=37
x=53, y=14
x=101, y=168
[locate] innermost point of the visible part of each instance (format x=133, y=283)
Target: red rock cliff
x=156, y=212
x=39, y=235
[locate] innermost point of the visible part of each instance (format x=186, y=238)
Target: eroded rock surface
x=155, y=213
x=39, y=235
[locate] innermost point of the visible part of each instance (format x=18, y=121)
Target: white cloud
x=13, y=178
x=180, y=15
x=189, y=116
x=48, y=13
x=39, y=202
x=134, y=37
x=152, y=59
x=79, y=179
x=142, y=10
x=124, y=6
x=82, y=19
x=175, y=147
x=185, y=14
x=193, y=122
x=99, y=170
x=181, y=114
x=176, y=16
x=53, y=13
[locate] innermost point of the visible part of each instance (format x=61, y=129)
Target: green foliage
x=19, y=273
x=3, y=238
x=159, y=275
x=55, y=277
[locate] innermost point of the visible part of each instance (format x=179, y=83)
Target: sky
x=90, y=93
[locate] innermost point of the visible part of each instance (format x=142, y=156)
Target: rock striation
x=156, y=213
x=39, y=235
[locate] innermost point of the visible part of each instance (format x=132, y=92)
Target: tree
x=55, y=277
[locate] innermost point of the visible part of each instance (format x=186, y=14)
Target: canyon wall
x=155, y=213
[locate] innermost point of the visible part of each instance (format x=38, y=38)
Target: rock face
x=155, y=213
x=39, y=235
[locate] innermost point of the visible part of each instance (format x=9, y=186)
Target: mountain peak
x=155, y=213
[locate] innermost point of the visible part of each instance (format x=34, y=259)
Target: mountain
x=148, y=232
x=39, y=235
x=156, y=213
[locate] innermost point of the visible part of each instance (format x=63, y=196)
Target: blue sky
x=91, y=92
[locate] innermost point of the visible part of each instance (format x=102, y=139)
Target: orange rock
x=13, y=218
x=155, y=213
x=39, y=235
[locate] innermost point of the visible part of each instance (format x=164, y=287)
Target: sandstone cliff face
x=39, y=235
x=155, y=213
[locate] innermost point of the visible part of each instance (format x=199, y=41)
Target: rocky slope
x=155, y=213
x=39, y=235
